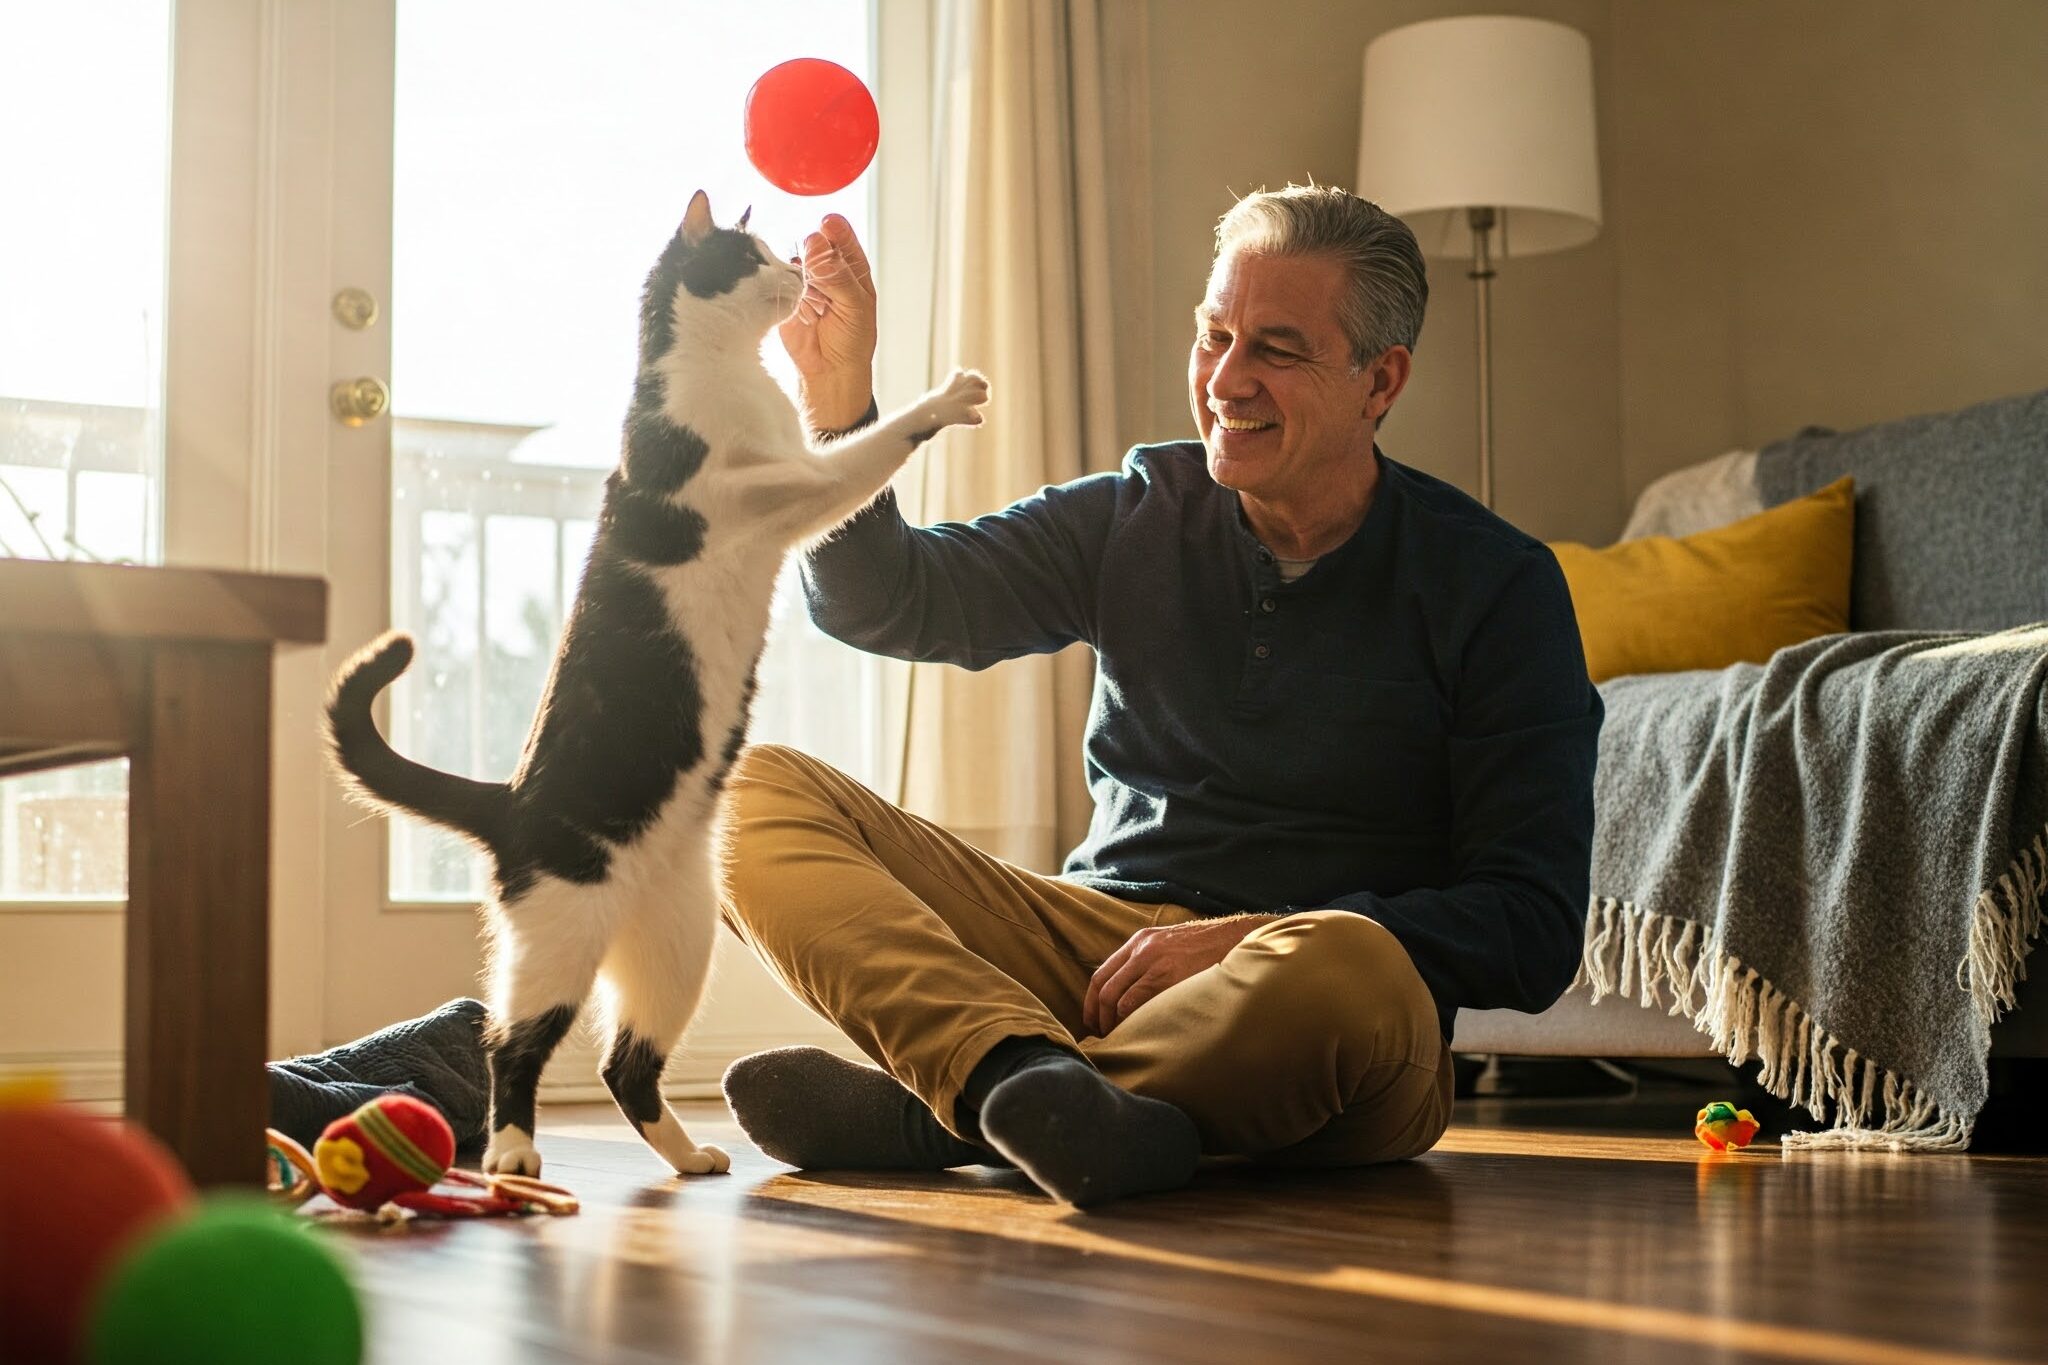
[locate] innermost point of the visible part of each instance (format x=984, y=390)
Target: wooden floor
x=1544, y=1234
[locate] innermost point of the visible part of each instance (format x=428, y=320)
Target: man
x=1341, y=751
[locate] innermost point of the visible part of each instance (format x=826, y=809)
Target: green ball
x=236, y=1282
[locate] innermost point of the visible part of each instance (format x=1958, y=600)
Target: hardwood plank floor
x=1532, y=1233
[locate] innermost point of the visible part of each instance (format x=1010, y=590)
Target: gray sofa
x=1951, y=534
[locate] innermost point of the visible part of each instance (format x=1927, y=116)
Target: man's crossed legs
x=1313, y=1042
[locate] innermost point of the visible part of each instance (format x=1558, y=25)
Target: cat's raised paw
x=958, y=402
x=511, y=1152
x=706, y=1160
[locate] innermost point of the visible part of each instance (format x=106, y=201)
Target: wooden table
x=172, y=668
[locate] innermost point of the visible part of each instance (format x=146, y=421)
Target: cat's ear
x=697, y=222
x=742, y=225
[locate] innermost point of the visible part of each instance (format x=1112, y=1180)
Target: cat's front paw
x=705, y=1160
x=511, y=1152
x=957, y=402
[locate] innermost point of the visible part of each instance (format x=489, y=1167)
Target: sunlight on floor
x=995, y=1205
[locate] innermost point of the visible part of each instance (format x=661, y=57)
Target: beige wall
x=1837, y=222
x=1827, y=212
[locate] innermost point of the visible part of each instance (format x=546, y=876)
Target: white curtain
x=1041, y=270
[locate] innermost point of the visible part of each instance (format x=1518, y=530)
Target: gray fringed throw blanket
x=1834, y=862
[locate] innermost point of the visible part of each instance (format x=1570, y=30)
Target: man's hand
x=831, y=335
x=1153, y=959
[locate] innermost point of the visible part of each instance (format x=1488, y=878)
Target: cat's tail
x=379, y=776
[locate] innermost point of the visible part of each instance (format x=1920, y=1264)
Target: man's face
x=1276, y=397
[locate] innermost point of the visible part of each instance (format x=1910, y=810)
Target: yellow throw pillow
x=1735, y=594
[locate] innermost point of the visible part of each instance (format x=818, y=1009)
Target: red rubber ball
x=811, y=126
x=75, y=1192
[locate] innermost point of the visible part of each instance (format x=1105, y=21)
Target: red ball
x=75, y=1192
x=811, y=126
x=393, y=1145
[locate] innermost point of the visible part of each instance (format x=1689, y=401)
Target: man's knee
x=770, y=781
x=770, y=762
x=1328, y=1034
x=1333, y=970
x=1332, y=949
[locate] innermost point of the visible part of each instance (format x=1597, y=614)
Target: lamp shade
x=1482, y=112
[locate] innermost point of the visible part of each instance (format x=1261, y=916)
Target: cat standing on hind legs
x=604, y=841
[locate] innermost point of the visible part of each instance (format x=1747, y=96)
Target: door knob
x=354, y=308
x=356, y=401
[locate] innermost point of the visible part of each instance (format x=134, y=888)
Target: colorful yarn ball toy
x=387, y=1157
x=1723, y=1127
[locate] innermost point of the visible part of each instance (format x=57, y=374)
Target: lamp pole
x=1481, y=275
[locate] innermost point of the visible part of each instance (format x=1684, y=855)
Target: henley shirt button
x=1269, y=605
x=1261, y=652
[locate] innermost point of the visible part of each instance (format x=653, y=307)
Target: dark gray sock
x=438, y=1057
x=810, y=1109
x=301, y=1106
x=1080, y=1138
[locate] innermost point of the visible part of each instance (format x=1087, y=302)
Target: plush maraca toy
x=811, y=126
x=1722, y=1126
x=388, y=1156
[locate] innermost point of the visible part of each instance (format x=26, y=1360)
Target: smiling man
x=1341, y=752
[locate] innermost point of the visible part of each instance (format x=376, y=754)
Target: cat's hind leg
x=656, y=972
x=546, y=948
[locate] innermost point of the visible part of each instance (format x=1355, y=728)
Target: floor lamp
x=1478, y=133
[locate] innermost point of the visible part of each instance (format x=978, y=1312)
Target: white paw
x=705, y=1160
x=958, y=402
x=511, y=1152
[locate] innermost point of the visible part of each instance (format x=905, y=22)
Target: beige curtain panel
x=1040, y=275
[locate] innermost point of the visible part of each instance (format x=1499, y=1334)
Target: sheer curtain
x=1041, y=273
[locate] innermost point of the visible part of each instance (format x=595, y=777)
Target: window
x=538, y=169
x=84, y=154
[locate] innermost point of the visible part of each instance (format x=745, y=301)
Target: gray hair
x=1384, y=304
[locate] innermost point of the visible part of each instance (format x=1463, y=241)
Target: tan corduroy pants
x=1314, y=1042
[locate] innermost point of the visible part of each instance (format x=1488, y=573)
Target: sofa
x=1951, y=533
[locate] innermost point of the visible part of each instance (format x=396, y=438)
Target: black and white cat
x=605, y=842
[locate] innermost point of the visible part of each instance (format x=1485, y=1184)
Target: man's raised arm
x=1018, y=581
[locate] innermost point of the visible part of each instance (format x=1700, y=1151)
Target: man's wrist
x=836, y=404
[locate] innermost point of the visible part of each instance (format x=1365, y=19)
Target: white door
x=141, y=333
x=492, y=179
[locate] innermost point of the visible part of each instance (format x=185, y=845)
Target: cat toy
x=1724, y=1127
x=387, y=1157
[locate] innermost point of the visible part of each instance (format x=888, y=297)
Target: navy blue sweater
x=1406, y=731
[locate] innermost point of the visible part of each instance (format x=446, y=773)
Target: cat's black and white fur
x=605, y=842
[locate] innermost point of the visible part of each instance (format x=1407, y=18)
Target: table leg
x=198, y=932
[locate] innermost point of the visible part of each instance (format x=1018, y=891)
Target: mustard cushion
x=1738, y=593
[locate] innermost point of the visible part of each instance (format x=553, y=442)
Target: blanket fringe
x=2007, y=922
x=1633, y=952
